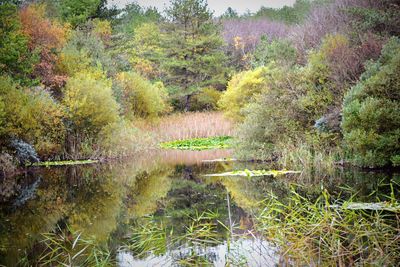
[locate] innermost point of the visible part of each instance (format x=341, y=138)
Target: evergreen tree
x=193, y=48
x=15, y=57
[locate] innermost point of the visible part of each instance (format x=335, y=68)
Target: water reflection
x=105, y=201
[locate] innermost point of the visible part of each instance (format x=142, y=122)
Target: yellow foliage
x=31, y=115
x=241, y=90
x=207, y=99
x=71, y=61
x=89, y=102
x=102, y=28
x=140, y=97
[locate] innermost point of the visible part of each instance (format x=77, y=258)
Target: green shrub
x=90, y=107
x=141, y=98
x=207, y=99
x=280, y=51
x=31, y=115
x=371, y=112
x=85, y=50
x=326, y=77
x=272, y=118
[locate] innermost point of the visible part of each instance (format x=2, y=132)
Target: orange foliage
x=47, y=37
x=41, y=31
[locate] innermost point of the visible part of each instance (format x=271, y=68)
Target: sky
x=218, y=6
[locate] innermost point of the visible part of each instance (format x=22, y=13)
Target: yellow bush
x=207, y=99
x=31, y=115
x=89, y=102
x=241, y=90
x=141, y=98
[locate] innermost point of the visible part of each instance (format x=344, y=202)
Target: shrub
x=207, y=99
x=241, y=90
x=280, y=51
x=90, y=107
x=121, y=139
x=46, y=37
x=84, y=51
x=31, y=115
x=371, y=111
x=102, y=29
x=272, y=118
x=141, y=98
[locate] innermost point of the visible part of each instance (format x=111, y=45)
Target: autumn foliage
x=46, y=37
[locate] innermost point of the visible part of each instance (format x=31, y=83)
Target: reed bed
x=180, y=126
x=326, y=233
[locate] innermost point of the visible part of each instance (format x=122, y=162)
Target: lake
x=158, y=209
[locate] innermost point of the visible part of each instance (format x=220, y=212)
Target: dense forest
x=76, y=76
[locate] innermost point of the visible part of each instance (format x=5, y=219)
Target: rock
x=24, y=152
x=330, y=122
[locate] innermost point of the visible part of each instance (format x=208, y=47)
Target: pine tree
x=193, y=48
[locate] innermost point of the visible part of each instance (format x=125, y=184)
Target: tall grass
x=189, y=248
x=65, y=247
x=181, y=126
x=326, y=233
x=302, y=156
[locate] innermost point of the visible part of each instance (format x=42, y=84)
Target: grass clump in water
x=321, y=232
x=65, y=247
x=152, y=237
x=217, y=142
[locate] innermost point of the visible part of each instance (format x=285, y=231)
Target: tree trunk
x=187, y=103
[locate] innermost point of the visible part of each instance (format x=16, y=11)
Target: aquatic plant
x=150, y=236
x=64, y=163
x=65, y=247
x=251, y=173
x=330, y=232
x=217, y=142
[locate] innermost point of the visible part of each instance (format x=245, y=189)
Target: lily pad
x=216, y=142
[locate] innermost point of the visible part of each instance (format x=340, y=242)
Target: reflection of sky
x=255, y=252
x=219, y=6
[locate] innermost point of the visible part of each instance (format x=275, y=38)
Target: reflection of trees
x=151, y=186
x=88, y=198
x=97, y=206
x=38, y=215
x=243, y=191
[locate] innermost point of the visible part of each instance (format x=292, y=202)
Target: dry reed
x=181, y=126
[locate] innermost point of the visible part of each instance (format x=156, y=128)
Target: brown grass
x=180, y=126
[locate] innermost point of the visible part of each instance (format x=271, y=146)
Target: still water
x=157, y=209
